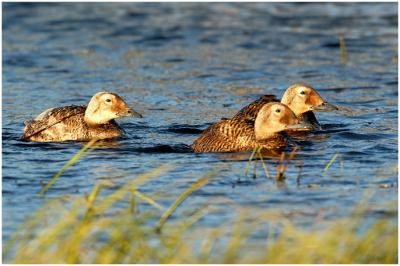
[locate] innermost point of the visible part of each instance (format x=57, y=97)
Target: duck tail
x=28, y=130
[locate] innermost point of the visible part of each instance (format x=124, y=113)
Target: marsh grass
x=201, y=182
x=89, y=230
x=123, y=225
x=331, y=162
x=81, y=153
x=343, y=50
x=284, y=163
x=281, y=168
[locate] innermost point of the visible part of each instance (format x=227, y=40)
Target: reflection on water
x=186, y=65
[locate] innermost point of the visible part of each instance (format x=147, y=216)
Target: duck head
x=302, y=98
x=105, y=106
x=274, y=118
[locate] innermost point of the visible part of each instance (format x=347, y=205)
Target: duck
x=80, y=123
x=267, y=132
x=301, y=98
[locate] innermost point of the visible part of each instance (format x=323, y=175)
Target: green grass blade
x=81, y=153
x=343, y=50
x=130, y=187
x=250, y=158
x=148, y=200
x=263, y=164
x=198, y=184
x=330, y=162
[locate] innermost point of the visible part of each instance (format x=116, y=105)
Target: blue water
x=186, y=65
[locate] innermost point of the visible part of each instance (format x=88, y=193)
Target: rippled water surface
x=184, y=66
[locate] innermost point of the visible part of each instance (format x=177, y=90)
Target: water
x=184, y=66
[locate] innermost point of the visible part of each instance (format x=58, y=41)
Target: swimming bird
x=302, y=99
x=230, y=135
x=80, y=123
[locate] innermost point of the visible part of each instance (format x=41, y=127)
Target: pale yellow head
x=302, y=98
x=274, y=118
x=105, y=106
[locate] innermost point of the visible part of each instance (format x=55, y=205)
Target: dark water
x=185, y=66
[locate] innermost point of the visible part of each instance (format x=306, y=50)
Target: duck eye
x=302, y=92
x=108, y=100
x=278, y=110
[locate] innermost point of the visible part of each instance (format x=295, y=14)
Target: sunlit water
x=184, y=66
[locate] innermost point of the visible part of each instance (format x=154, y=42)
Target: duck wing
x=224, y=136
x=250, y=111
x=50, y=118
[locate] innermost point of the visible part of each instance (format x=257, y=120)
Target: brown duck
x=80, y=123
x=230, y=135
x=302, y=99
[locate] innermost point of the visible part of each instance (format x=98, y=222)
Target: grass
x=81, y=153
x=331, y=162
x=281, y=167
x=201, y=182
x=90, y=229
x=343, y=50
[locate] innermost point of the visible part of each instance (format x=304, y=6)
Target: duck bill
x=300, y=126
x=130, y=112
x=133, y=113
x=325, y=107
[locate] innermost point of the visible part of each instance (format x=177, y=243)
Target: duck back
x=230, y=135
x=249, y=112
x=67, y=123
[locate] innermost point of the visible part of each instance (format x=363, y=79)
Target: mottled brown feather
x=230, y=135
x=50, y=118
x=250, y=111
x=62, y=123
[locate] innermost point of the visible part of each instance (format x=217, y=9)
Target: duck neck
x=296, y=107
x=264, y=131
x=92, y=118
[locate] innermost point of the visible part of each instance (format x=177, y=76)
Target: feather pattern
x=249, y=112
x=67, y=123
x=80, y=123
x=230, y=135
